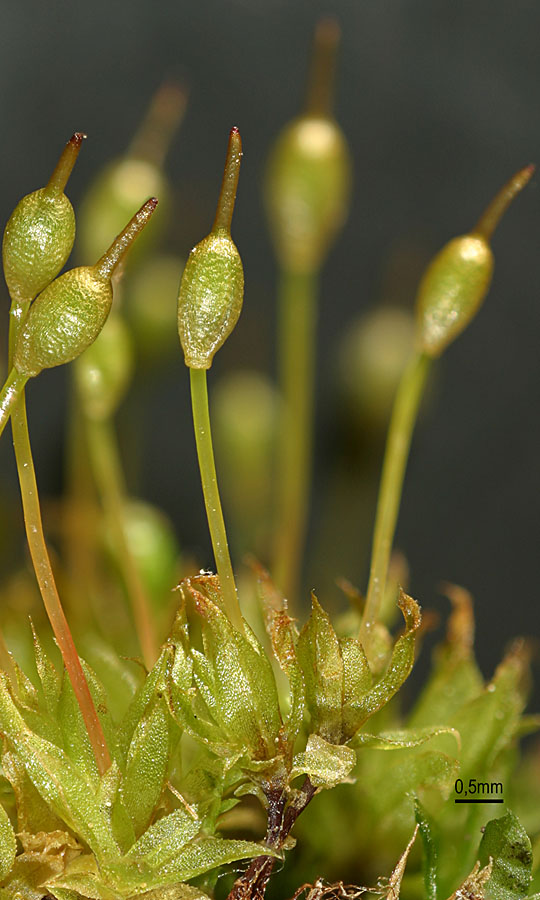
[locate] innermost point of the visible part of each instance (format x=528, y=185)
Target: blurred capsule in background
x=121, y=187
x=103, y=372
x=371, y=360
x=245, y=408
x=152, y=543
x=309, y=172
x=150, y=306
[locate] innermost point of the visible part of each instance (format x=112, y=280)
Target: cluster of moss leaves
x=221, y=716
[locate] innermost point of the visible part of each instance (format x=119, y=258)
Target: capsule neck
x=320, y=88
x=491, y=217
x=110, y=260
x=227, y=195
x=64, y=167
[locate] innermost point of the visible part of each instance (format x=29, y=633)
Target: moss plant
x=187, y=774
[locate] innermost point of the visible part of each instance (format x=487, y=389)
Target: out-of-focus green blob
x=246, y=410
x=111, y=199
x=153, y=546
x=122, y=186
x=372, y=358
x=452, y=291
x=458, y=279
x=70, y=313
x=212, y=286
x=308, y=178
x=307, y=191
x=104, y=370
x=40, y=232
x=150, y=306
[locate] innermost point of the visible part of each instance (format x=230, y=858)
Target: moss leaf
x=326, y=764
x=319, y=655
x=506, y=842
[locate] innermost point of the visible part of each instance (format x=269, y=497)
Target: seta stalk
x=209, y=304
x=449, y=295
x=306, y=196
x=107, y=472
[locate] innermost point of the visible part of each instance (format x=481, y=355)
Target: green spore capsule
x=212, y=287
x=122, y=185
x=104, y=370
x=309, y=171
x=40, y=232
x=457, y=280
x=70, y=313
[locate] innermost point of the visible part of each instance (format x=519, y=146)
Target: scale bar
x=479, y=800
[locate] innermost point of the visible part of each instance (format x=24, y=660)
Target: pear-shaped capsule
x=309, y=171
x=212, y=287
x=70, y=313
x=40, y=232
x=457, y=280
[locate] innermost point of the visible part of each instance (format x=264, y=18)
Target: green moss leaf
x=488, y=723
x=399, y=668
x=49, y=678
x=196, y=858
x=283, y=637
x=455, y=679
x=175, y=892
x=155, y=682
x=56, y=779
x=357, y=680
x=146, y=764
x=319, y=655
x=429, y=863
x=237, y=683
x=326, y=764
x=401, y=738
x=33, y=813
x=507, y=843
x=165, y=838
x=8, y=844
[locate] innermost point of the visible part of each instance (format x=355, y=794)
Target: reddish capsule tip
x=64, y=166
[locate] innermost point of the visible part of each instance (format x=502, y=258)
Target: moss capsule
x=212, y=287
x=70, y=313
x=309, y=171
x=150, y=305
x=457, y=280
x=123, y=184
x=40, y=232
x=104, y=369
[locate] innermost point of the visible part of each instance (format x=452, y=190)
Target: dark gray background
x=441, y=103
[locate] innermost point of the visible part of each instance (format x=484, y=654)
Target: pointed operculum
x=163, y=118
x=64, y=166
x=121, y=244
x=227, y=195
x=489, y=220
x=320, y=89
